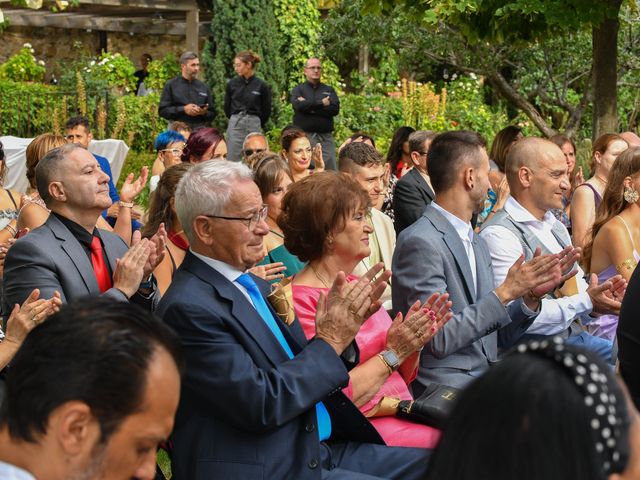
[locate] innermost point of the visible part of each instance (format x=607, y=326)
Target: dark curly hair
x=315, y=207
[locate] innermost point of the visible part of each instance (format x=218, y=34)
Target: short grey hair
x=48, y=169
x=206, y=189
x=186, y=56
x=416, y=139
x=251, y=135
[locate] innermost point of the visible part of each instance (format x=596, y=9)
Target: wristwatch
x=390, y=359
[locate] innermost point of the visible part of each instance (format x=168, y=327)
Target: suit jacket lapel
x=455, y=246
x=242, y=310
x=423, y=185
x=76, y=253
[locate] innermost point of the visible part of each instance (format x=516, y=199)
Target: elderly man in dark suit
x=258, y=400
x=68, y=253
x=413, y=191
x=440, y=252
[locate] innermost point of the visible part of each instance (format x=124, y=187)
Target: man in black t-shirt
x=185, y=98
x=314, y=105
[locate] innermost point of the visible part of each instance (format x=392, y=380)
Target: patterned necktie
x=324, y=420
x=99, y=266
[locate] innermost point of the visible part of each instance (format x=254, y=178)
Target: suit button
x=310, y=427
x=313, y=463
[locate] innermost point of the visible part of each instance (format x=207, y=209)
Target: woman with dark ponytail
x=247, y=103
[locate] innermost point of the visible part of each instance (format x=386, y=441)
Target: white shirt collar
x=11, y=472
x=521, y=214
x=226, y=270
x=463, y=229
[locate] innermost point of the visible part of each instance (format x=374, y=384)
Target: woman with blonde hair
x=616, y=232
x=247, y=102
x=587, y=197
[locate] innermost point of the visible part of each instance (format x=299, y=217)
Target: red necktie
x=99, y=266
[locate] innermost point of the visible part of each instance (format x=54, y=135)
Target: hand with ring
x=409, y=334
x=342, y=311
x=32, y=312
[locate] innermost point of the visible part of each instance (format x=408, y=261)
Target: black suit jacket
x=247, y=410
x=411, y=195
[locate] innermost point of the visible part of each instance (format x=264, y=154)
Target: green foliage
x=28, y=108
x=136, y=121
x=23, y=66
x=133, y=164
x=243, y=25
x=160, y=71
x=466, y=109
x=116, y=69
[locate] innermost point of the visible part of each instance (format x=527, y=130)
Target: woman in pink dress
x=325, y=224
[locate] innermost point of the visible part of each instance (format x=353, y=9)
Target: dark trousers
x=366, y=461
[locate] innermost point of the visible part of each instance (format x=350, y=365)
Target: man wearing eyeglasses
x=258, y=400
x=413, y=191
x=314, y=106
x=255, y=142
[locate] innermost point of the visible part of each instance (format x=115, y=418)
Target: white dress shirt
x=11, y=472
x=555, y=314
x=226, y=270
x=465, y=232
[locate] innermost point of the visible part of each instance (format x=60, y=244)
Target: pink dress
x=371, y=341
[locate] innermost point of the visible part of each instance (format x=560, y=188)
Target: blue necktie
x=324, y=420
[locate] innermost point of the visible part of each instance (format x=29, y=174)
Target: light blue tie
x=324, y=420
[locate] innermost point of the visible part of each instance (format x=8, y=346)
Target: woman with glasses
x=331, y=233
x=297, y=151
x=204, y=144
x=247, y=102
x=168, y=145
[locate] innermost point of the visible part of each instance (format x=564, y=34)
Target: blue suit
x=247, y=411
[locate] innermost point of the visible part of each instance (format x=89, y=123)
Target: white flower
x=33, y=51
x=27, y=45
x=41, y=62
x=473, y=75
x=93, y=62
x=22, y=69
x=454, y=76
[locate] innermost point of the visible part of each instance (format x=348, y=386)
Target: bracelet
x=125, y=204
x=11, y=229
x=389, y=369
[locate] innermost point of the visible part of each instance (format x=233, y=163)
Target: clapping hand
x=316, y=158
x=607, y=296
x=32, y=312
x=568, y=257
x=269, y=271
x=524, y=276
x=422, y=322
x=347, y=305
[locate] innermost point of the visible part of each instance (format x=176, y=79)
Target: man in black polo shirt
x=185, y=98
x=314, y=105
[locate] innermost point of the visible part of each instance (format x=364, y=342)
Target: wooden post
x=192, y=28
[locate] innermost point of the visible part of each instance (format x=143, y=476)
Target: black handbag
x=432, y=407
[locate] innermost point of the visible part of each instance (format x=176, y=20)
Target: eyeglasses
x=253, y=220
x=248, y=152
x=176, y=152
x=422, y=154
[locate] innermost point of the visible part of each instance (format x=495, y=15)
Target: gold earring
x=631, y=195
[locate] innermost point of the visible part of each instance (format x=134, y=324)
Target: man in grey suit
x=413, y=191
x=68, y=253
x=440, y=252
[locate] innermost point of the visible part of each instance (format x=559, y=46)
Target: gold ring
x=352, y=311
x=418, y=333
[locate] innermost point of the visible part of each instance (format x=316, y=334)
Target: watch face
x=391, y=358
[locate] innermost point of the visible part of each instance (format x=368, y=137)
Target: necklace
x=318, y=276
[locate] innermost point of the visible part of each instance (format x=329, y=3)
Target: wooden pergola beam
x=153, y=5
x=146, y=25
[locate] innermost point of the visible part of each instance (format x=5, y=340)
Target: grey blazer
x=429, y=258
x=50, y=258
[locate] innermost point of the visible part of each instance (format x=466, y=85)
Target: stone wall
x=55, y=45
